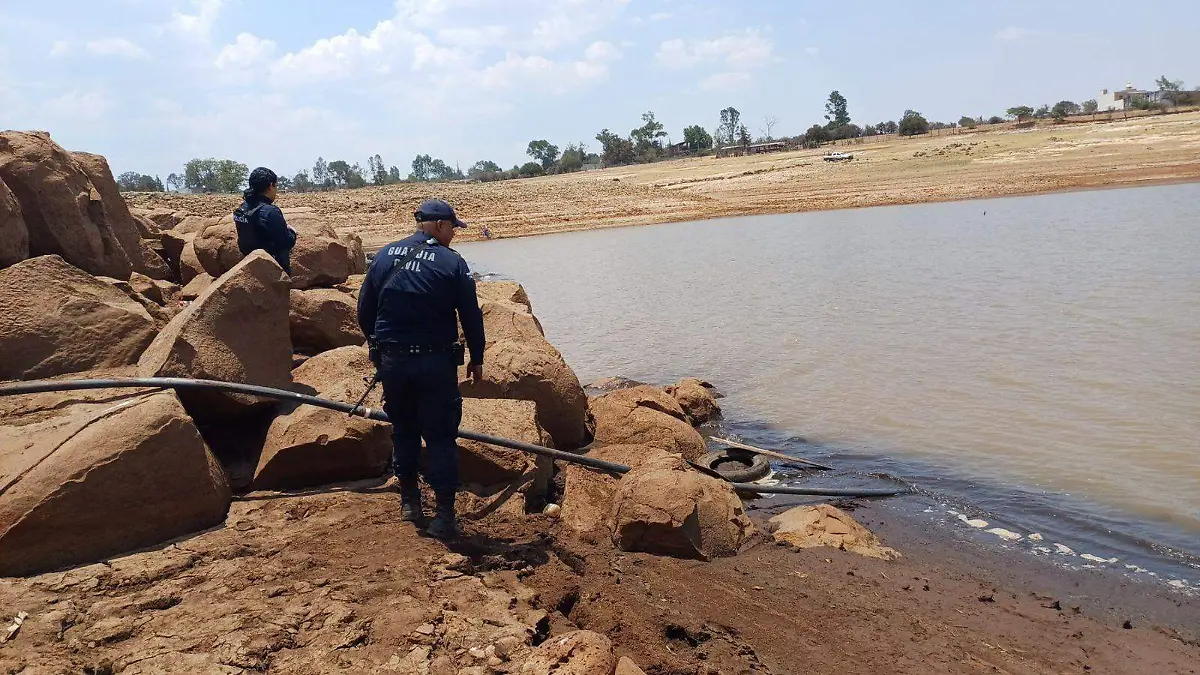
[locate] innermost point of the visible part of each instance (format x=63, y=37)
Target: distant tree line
x=647, y=142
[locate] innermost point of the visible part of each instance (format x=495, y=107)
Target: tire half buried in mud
x=737, y=466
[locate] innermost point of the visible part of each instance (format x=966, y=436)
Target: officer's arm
x=368, y=300
x=278, y=233
x=470, y=315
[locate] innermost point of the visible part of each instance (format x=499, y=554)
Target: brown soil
x=972, y=164
x=332, y=580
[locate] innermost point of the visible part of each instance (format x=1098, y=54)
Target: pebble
x=1063, y=550
x=425, y=629
x=477, y=653
x=552, y=510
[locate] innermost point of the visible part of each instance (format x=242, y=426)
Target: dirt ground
x=971, y=164
x=332, y=580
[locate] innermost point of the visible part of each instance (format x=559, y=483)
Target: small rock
x=425, y=629
x=552, y=510
x=505, y=647
x=477, y=653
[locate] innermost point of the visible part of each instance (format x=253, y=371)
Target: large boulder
x=235, y=331
x=580, y=652
x=323, y=319
x=193, y=224
x=217, y=248
x=160, y=314
x=645, y=415
x=172, y=243
x=308, y=446
x=321, y=258
x=521, y=364
x=480, y=464
x=158, y=291
x=661, y=507
x=163, y=219
x=506, y=291
x=14, y=237
x=55, y=318
x=190, y=266
x=155, y=264
x=62, y=209
x=99, y=479
x=587, y=499
x=117, y=217
x=826, y=525
x=195, y=287
x=696, y=400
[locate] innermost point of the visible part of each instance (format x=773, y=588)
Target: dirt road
x=965, y=165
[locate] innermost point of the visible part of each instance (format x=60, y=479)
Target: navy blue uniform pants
x=421, y=398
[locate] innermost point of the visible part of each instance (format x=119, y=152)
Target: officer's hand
x=476, y=371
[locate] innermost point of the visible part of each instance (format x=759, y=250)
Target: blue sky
x=153, y=83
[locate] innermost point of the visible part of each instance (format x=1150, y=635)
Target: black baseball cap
x=436, y=209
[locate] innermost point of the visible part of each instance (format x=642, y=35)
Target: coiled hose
x=178, y=383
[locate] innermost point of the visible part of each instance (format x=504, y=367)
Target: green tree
x=836, y=110
x=283, y=183
x=377, y=170
x=1062, y=109
x=422, y=168
x=531, y=169
x=132, y=181
x=1090, y=106
x=481, y=168
x=213, y=175
x=174, y=181
x=320, y=174
x=743, y=137
x=544, y=152
x=728, y=128
x=647, y=135
x=995, y=119
x=966, y=122
x=913, y=124
x=615, y=150
x=1170, y=89
x=1020, y=113
x=572, y=157
x=697, y=138
x=890, y=127
x=301, y=182
x=815, y=136
x=394, y=174
x=1043, y=112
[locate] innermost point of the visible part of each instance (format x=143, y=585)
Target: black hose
x=178, y=383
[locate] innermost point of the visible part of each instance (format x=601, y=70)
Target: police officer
x=406, y=308
x=260, y=223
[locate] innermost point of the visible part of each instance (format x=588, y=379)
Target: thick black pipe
x=178, y=383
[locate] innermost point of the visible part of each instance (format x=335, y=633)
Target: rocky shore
x=144, y=531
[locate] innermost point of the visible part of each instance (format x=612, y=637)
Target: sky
x=153, y=83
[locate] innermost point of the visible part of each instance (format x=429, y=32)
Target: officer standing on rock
x=260, y=223
x=407, y=308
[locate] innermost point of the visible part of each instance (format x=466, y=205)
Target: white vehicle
x=838, y=156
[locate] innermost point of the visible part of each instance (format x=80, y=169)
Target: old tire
x=737, y=466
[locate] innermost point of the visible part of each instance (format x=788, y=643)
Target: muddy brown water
x=1037, y=355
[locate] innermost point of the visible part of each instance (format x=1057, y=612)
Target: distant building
x=1123, y=99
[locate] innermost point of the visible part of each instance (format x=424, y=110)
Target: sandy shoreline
x=970, y=165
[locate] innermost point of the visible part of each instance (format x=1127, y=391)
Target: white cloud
x=246, y=51
x=116, y=47
x=747, y=49
x=1012, y=33
x=197, y=26
x=660, y=16
x=725, y=81
x=602, y=51
x=540, y=73
x=811, y=51
x=79, y=106
x=60, y=48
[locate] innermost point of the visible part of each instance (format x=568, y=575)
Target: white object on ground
x=1063, y=550
x=1007, y=535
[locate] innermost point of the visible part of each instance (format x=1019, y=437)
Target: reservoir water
x=1034, y=357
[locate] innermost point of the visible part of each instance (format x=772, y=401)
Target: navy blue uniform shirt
x=265, y=228
x=419, y=304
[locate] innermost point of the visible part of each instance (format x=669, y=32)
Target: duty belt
x=418, y=349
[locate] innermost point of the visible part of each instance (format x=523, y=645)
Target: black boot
x=443, y=525
x=410, y=502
